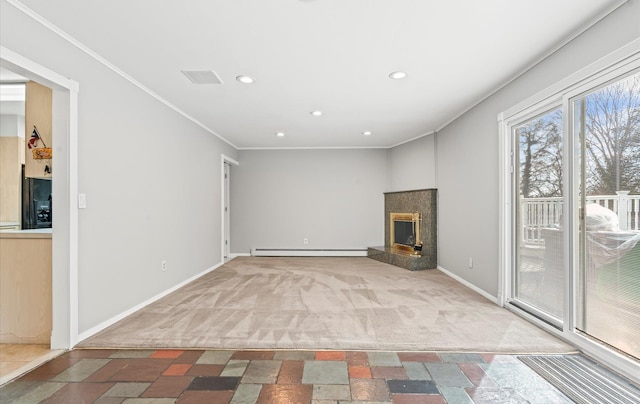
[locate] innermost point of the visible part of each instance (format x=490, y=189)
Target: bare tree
x=612, y=141
x=541, y=156
x=611, y=124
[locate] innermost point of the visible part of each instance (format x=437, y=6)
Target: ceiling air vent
x=202, y=76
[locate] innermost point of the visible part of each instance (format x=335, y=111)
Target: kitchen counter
x=33, y=233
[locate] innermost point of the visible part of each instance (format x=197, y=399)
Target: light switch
x=82, y=201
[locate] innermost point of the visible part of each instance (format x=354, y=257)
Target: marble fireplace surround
x=423, y=201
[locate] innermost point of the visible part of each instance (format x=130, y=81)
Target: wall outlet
x=82, y=201
x=164, y=265
x=305, y=241
x=470, y=262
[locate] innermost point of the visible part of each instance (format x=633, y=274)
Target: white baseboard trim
x=234, y=255
x=469, y=285
x=274, y=252
x=96, y=329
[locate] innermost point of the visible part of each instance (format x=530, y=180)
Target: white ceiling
x=328, y=55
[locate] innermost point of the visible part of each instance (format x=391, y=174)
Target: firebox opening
x=405, y=231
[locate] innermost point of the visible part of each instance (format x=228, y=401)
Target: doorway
x=25, y=224
x=64, y=273
x=225, y=248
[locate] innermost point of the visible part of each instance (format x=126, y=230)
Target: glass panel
x=539, y=275
x=404, y=233
x=607, y=123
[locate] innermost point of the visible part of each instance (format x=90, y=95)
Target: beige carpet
x=326, y=303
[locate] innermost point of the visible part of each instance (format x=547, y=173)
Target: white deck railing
x=538, y=213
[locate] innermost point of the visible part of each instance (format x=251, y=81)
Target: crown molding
x=73, y=41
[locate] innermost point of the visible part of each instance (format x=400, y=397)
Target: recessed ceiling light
x=280, y=134
x=398, y=75
x=316, y=113
x=367, y=133
x=245, y=79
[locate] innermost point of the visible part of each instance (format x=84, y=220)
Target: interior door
x=227, y=232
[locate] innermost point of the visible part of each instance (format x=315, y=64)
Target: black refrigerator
x=36, y=203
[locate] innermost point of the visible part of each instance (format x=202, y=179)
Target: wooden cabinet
x=38, y=114
x=11, y=157
x=25, y=289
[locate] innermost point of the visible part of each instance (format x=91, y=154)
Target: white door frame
x=64, y=241
x=223, y=195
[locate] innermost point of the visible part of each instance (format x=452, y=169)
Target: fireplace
x=404, y=231
x=410, y=230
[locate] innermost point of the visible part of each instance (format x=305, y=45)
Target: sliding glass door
x=606, y=125
x=570, y=192
x=602, y=236
x=538, y=277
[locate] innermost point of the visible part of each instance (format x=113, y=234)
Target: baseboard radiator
x=276, y=252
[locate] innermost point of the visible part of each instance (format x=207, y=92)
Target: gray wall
x=467, y=151
x=413, y=165
x=332, y=197
x=152, y=180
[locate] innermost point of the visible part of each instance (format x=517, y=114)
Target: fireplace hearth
x=410, y=230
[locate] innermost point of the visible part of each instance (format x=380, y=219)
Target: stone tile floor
x=321, y=377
